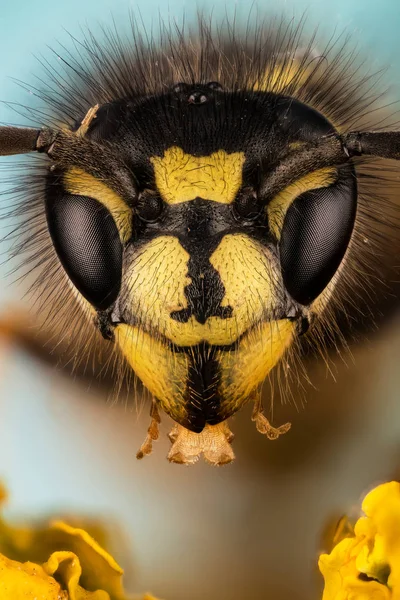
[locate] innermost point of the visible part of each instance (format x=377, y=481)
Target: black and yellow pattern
x=203, y=287
x=165, y=218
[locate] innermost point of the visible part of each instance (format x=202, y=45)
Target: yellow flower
x=366, y=566
x=76, y=566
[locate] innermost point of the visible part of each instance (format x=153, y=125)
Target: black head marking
x=202, y=395
x=205, y=223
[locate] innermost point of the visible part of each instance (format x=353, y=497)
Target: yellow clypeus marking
x=250, y=276
x=279, y=205
x=244, y=369
x=77, y=181
x=181, y=177
x=157, y=276
x=161, y=370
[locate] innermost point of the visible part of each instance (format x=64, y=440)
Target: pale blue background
x=56, y=452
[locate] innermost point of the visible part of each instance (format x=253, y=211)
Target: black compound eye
x=247, y=205
x=88, y=245
x=315, y=235
x=149, y=206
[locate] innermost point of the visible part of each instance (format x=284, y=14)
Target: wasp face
x=201, y=274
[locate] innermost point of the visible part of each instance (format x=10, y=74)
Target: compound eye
x=316, y=233
x=88, y=245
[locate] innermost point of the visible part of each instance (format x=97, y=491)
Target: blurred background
x=254, y=528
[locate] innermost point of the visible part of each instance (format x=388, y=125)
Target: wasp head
x=170, y=221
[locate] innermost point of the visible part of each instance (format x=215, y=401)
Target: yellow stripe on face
x=181, y=177
x=162, y=371
x=80, y=183
x=279, y=205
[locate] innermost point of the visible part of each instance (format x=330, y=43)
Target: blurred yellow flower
x=79, y=569
x=366, y=566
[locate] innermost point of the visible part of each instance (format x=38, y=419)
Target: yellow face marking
x=77, y=181
x=279, y=205
x=162, y=371
x=181, y=177
x=156, y=278
x=243, y=370
x=251, y=279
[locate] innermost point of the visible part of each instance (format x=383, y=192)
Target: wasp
x=204, y=200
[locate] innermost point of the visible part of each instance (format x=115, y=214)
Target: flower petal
x=367, y=565
x=27, y=581
x=68, y=568
x=99, y=569
x=75, y=566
